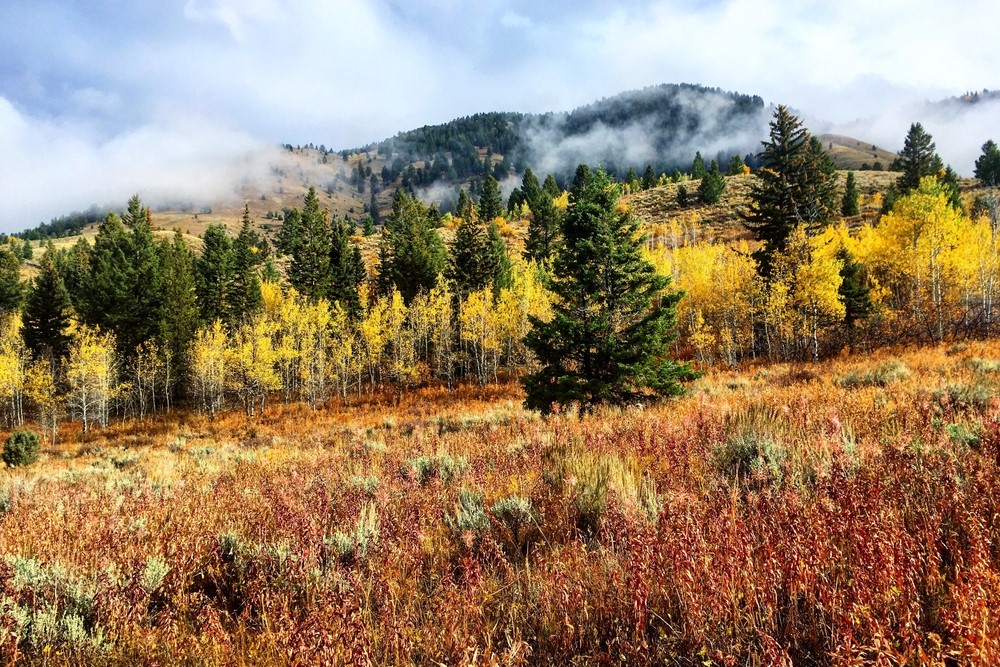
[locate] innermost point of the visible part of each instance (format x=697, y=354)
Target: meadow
x=839, y=513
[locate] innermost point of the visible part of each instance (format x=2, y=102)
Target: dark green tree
x=180, y=316
x=613, y=318
x=502, y=271
x=48, y=311
x=347, y=268
x=464, y=207
x=491, y=202
x=74, y=266
x=950, y=181
x=917, y=159
x=470, y=263
x=249, y=252
x=215, y=274
x=713, y=184
x=551, y=186
x=855, y=290
x=849, y=205
x=11, y=288
x=648, y=178
x=543, y=228
x=736, y=165
x=796, y=185
x=988, y=165
x=290, y=234
x=411, y=252
x=309, y=270
x=698, y=166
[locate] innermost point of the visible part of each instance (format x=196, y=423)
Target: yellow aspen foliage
x=440, y=312
x=251, y=364
x=208, y=367
x=13, y=361
x=402, y=365
x=702, y=338
x=91, y=376
x=373, y=334
x=40, y=388
x=479, y=327
x=816, y=282
x=562, y=201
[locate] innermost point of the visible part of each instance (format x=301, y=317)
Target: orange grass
x=798, y=518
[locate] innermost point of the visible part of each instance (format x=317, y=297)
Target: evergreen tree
x=917, y=159
x=849, y=206
x=48, y=311
x=501, y=269
x=74, y=267
x=122, y=292
x=368, y=227
x=215, y=275
x=11, y=289
x=464, y=207
x=290, y=235
x=988, y=165
x=491, y=202
x=309, y=271
x=698, y=166
x=632, y=180
x=181, y=316
x=530, y=187
x=649, y=178
x=950, y=181
x=551, y=186
x=411, y=252
x=735, y=167
x=347, y=268
x=855, y=290
x=470, y=266
x=713, y=184
x=373, y=210
x=796, y=186
x=543, y=228
x=607, y=340
x=249, y=252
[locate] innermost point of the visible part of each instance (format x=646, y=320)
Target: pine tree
x=500, y=266
x=464, y=207
x=796, y=186
x=543, y=228
x=713, y=184
x=849, y=206
x=607, y=341
x=74, y=266
x=491, y=202
x=249, y=253
x=735, y=167
x=551, y=186
x=917, y=159
x=11, y=289
x=988, y=165
x=411, y=252
x=854, y=290
x=48, y=311
x=470, y=267
x=180, y=317
x=531, y=189
x=310, y=268
x=347, y=269
x=648, y=178
x=698, y=166
x=215, y=272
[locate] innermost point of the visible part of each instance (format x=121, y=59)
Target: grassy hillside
x=850, y=153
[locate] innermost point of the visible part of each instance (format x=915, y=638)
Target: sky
x=182, y=98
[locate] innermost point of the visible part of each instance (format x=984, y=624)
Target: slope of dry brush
x=837, y=514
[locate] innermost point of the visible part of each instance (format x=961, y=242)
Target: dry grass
x=770, y=517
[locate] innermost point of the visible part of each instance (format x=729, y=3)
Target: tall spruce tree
x=917, y=159
x=849, y=205
x=988, y=165
x=48, y=311
x=796, y=186
x=712, y=185
x=181, y=317
x=698, y=166
x=347, y=268
x=501, y=270
x=309, y=271
x=470, y=260
x=215, y=271
x=612, y=318
x=11, y=288
x=249, y=253
x=491, y=202
x=411, y=252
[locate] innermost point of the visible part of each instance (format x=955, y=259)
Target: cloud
x=52, y=168
x=97, y=74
